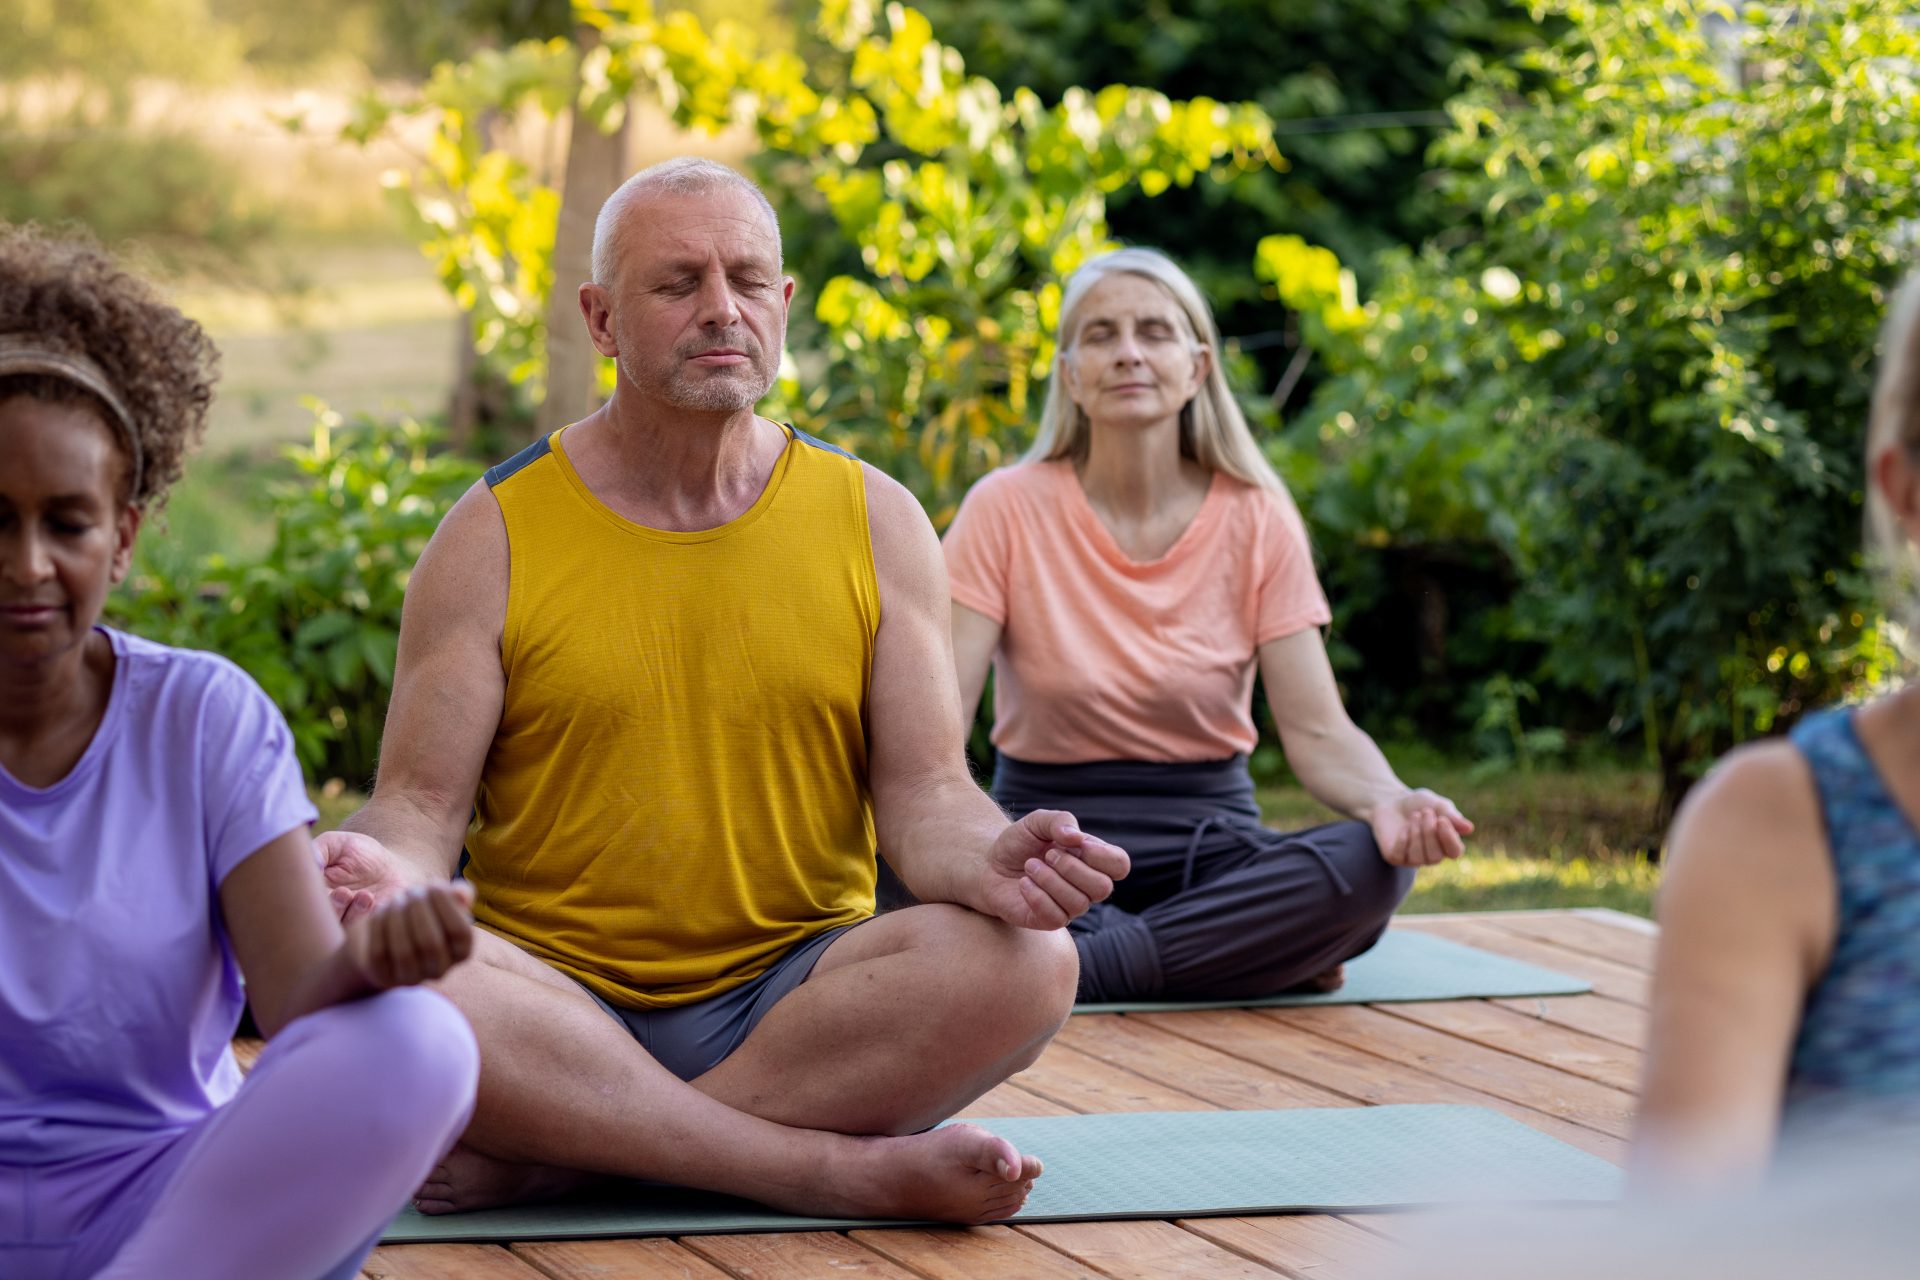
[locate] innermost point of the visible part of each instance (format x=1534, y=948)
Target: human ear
x=126, y=527
x=1202, y=367
x=1063, y=366
x=597, y=310
x=1897, y=477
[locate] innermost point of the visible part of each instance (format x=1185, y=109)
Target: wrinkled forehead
x=672, y=228
x=1123, y=297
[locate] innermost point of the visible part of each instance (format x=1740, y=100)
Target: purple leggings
x=342, y=1118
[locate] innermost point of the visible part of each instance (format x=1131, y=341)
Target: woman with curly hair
x=153, y=849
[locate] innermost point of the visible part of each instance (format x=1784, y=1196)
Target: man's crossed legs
x=826, y=1106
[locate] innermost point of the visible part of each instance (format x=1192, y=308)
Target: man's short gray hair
x=681, y=176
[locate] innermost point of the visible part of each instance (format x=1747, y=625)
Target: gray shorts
x=691, y=1040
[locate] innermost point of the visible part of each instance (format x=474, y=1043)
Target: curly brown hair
x=68, y=293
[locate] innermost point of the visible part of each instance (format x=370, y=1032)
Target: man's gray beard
x=722, y=394
x=713, y=393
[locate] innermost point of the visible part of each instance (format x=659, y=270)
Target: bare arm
x=975, y=637
x=1746, y=927
x=448, y=688
x=1341, y=766
x=944, y=836
x=296, y=957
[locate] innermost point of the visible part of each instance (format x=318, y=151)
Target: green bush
x=1637, y=379
x=316, y=617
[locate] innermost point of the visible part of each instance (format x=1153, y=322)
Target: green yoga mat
x=1151, y=1164
x=1404, y=965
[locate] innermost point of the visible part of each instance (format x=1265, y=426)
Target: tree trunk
x=596, y=164
x=468, y=404
x=463, y=407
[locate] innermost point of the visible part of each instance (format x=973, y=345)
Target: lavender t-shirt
x=118, y=991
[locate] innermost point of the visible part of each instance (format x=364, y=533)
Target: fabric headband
x=22, y=353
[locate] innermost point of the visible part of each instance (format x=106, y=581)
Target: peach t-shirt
x=1106, y=658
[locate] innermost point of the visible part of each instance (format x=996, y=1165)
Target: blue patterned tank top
x=1859, y=1038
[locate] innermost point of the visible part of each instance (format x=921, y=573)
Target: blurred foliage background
x=1558, y=317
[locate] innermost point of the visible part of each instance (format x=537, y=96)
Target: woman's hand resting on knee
x=414, y=937
x=1419, y=829
x=296, y=956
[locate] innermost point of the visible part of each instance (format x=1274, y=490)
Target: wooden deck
x=1566, y=1065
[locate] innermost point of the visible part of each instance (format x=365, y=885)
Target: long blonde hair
x=1213, y=431
x=1895, y=423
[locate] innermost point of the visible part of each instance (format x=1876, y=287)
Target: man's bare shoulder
x=906, y=551
x=462, y=573
x=894, y=513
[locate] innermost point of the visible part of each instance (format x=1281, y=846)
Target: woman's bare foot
x=1322, y=983
x=465, y=1180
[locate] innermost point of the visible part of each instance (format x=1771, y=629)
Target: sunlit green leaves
x=1310, y=280
x=1654, y=336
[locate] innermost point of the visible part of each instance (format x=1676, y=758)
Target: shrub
x=316, y=617
x=1639, y=374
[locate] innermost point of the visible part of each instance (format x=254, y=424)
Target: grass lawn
x=1571, y=837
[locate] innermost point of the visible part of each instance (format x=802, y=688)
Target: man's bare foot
x=465, y=1180
x=1321, y=983
x=956, y=1173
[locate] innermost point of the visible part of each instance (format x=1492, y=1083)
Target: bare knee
x=1014, y=986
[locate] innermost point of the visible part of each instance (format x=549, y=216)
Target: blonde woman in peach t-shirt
x=1123, y=581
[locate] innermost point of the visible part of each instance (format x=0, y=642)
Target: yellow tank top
x=677, y=792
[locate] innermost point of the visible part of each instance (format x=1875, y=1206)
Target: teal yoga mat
x=1404, y=965
x=1151, y=1164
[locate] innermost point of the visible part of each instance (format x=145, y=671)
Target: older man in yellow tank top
x=670, y=676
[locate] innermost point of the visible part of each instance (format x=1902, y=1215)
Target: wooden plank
x=1399, y=1227
x=445, y=1262
x=963, y=1253
x=1010, y=1099
x=654, y=1259
x=1189, y=1064
x=792, y=1255
x=1609, y=978
x=1363, y=1076
x=1563, y=1065
x=246, y=1051
x=1146, y=1250
x=1503, y=1075
x=1578, y=933
x=1317, y=1245
x=1080, y=1082
x=1618, y=919
x=1485, y=1023
x=1615, y=1020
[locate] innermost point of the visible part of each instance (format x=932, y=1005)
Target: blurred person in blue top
x=1786, y=1000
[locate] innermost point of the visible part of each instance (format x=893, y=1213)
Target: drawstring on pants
x=1255, y=841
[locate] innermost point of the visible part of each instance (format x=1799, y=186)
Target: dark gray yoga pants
x=1217, y=907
